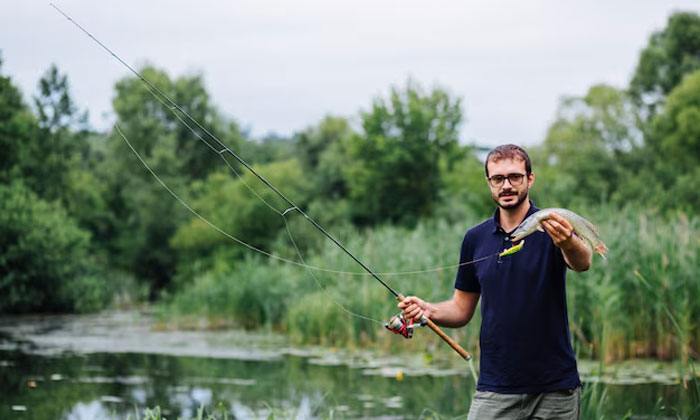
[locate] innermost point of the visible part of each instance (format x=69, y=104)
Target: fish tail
x=600, y=249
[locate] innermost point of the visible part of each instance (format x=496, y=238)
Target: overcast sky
x=281, y=65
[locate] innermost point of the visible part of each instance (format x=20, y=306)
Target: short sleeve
x=466, y=280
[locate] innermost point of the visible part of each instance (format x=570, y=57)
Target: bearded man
x=527, y=364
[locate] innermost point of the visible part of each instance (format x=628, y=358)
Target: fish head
x=517, y=235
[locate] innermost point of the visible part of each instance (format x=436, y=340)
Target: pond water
x=111, y=365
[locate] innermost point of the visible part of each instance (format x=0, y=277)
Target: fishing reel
x=398, y=325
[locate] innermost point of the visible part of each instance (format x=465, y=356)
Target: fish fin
x=601, y=249
x=539, y=227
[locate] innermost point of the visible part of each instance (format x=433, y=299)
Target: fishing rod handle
x=455, y=346
x=459, y=349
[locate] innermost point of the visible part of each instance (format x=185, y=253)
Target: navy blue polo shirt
x=525, y=343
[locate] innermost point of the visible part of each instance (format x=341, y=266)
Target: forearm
x=453, y=313
x=577, y=255
x=449, y=314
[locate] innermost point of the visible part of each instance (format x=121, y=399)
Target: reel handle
x=455, y=346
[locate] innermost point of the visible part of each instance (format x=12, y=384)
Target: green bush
x=44, y=257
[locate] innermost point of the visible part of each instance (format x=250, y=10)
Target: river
x=115, y=364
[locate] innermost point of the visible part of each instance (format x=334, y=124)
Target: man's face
x=507, y=195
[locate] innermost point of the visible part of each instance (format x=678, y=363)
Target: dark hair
x=508, y=151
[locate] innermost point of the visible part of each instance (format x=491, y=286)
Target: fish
x=582, y=227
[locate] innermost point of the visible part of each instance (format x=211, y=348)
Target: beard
x=512, y=204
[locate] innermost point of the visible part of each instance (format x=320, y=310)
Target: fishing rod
x=397, y=324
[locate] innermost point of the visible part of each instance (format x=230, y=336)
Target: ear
x=530, y=179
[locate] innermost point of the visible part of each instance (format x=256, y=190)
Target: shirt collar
x=497, y=226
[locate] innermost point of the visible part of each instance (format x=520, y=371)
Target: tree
x=674, y=143
x=145, y=118
x=270, y=148
x=61, y=142
x=465, y=190
x=144, y=215
x=240, y=207
x=18, y=129
x=45, y=262
x=393, y=171
x=54, y=104
x=670, y=54
x=586, y=152
x=322, y=150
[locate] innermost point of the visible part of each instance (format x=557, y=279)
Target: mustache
x=511, y=192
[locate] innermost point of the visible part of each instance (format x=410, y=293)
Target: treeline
x=84, y=225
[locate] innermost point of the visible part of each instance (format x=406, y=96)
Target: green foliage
x=55, y=107
x=611, y=307
x=670, y=54
x=246, y=293
x=308, y=304
x=243, y=207
x=18, y=129
x=612, y=314
x=141, y=240
x=145, y=119
x=675, y=144
x=269, y=149
x=394, y=169
x=45, y=262
x=143, y=215
x=402, y=167
x=60, y=145
x=322, y=150
x=582, y=160
x=465, y=193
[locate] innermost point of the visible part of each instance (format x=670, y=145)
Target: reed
x=612, y=313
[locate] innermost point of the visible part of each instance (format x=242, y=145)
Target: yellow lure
x=512, y=250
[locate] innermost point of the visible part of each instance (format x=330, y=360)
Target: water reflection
x=291, y=387
x=148, y=369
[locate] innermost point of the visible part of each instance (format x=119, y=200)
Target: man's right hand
x=415, y=307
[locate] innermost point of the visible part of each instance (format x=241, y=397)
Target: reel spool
x=398, y=325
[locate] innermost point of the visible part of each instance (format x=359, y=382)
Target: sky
x=280, y=66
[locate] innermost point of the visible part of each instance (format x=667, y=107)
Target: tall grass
x=616, y=315
x=612, y=313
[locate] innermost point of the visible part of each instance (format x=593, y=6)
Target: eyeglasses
x=514, y=179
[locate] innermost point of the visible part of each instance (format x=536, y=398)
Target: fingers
x=412, y=307
x=561, y=221
x=558, y=228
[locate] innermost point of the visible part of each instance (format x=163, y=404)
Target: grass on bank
x=612, y=311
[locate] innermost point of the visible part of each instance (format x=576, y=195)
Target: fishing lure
x=512, y=250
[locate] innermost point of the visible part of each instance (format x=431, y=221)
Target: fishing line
x=116, y=126
x=308, y=267
x=172, y=106
x=311, y=273
x=263, y=252
x=225, y=149
x=221, y=148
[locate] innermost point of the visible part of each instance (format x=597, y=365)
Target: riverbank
x=141, y=332
x=114, y=364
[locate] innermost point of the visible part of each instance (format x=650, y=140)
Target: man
x=527, y=365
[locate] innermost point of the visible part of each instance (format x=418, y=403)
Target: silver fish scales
x=582, y=227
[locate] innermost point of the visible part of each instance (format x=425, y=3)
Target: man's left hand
x=560, y=230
